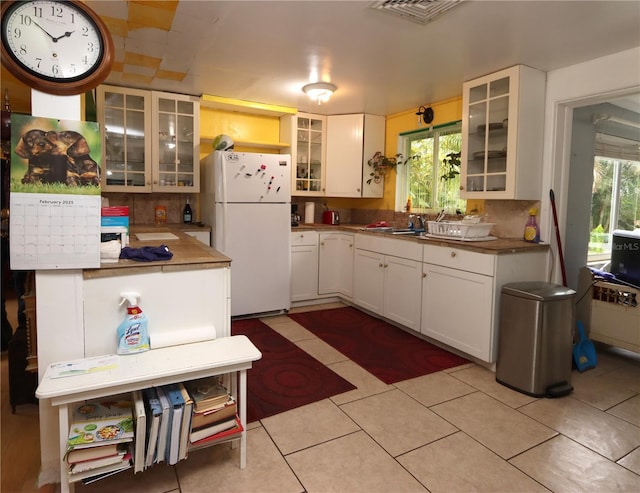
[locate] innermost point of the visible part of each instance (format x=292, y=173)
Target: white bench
x=153, y=368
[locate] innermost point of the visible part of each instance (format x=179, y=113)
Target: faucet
x=419, y=222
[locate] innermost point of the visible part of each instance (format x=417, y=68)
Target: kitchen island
x=78, y=310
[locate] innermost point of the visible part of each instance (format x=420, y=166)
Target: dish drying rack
x=459, y=229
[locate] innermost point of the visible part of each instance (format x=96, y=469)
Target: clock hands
x=65, y=35
x=55, y=40
x=44, y=31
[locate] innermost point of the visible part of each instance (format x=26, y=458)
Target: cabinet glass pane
x=499, y=87
x=316, y=125
x=135, y=102
x=167, y=105
x=478, y=93
x=496, y=183
x=114, y=99
x=185, y=107
x=477, y=130
x=475, y=183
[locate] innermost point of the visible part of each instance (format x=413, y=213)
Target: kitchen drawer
x=308, y=238
x=480, y=263
x=397, y=247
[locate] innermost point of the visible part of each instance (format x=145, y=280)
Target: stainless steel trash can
x=536, y=338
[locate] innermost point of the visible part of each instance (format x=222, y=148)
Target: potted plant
x=381, y=164
x=452, y=163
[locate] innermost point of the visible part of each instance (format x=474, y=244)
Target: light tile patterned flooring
x=453, y=431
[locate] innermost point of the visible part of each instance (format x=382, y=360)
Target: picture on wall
x=55, y=156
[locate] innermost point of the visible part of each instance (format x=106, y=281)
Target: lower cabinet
x=304, y=265
x=335, y=264
x=461, y=294
x=385, y=284
x=203, y=236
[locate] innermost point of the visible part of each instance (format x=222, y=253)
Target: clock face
x=57, y=43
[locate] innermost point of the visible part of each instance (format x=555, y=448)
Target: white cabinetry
x=335, y=267
x=502, y=132
x=304, y=265
x=150, y=141
x=387, y=278
x=461, y=294
x=351, y=141
x=305, y=133
x=203, y=236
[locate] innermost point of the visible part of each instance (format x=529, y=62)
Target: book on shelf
x=122, y=458
x=86, y=454
x=88, y=477
x=207, y=393
x=187, y=417
x=165, y=423
x=101, y=422
x=153, y=409
x=176, y=403
x=228, y=434
x=200, y=419
x=140, y=419
x=212, y=429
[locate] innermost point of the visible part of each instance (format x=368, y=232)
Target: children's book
x=101, y=422
x=176, y=403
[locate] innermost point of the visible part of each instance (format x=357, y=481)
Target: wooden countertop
x=494, y=247
x=188, y=254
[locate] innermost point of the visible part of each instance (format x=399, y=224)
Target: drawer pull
x=453, y=254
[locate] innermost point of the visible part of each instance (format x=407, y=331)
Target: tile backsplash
x=142, y=205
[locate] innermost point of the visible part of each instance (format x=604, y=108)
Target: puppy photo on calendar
x=55, y=156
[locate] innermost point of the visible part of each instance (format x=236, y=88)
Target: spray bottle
x=133, y=336
x=531, y=231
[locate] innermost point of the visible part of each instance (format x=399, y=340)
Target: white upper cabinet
x=306, y=135
x=150, y=141
x=351, y=141
x=502, y=132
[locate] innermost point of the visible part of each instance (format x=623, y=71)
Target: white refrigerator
x=246, y=197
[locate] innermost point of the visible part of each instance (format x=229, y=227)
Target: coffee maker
x=295, y=217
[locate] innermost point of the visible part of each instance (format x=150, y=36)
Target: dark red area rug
x=389, y=353
x=285, y=377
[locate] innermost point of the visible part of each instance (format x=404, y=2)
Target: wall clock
x=57, y=47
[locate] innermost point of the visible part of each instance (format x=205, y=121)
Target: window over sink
x=432, y=178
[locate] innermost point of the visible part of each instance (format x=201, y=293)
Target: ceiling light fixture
x=320, y=91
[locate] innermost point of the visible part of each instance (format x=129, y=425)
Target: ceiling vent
x=420, y=11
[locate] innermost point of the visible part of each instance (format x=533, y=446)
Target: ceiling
x=265, y=51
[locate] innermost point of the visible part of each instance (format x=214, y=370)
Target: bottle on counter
x=187, y=214
x=531, y=231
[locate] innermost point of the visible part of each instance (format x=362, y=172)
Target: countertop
x=188, y=253
x=495, y=247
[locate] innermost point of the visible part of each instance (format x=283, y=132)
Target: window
x=432, y=183
x=615, y=202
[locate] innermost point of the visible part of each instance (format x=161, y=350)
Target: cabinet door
x=457, y=309
x=344, y=155
x=176, y=143
x=368, y=280
x=335, y=267
x=308, y=153
x=502, y=125
x=402, y=291
x=351, y=141
x=304, y=272
x=125, y=117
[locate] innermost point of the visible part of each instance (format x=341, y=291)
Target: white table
x=153, y=368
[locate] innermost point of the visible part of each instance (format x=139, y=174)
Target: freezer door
x=251, y=177
x=257, y=239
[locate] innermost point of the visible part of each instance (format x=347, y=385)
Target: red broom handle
x=555, y=221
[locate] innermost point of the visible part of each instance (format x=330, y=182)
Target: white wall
x=571, y=87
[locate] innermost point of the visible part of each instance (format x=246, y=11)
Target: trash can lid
x=538, y=290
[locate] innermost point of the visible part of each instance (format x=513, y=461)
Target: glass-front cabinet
x=309, y=154
x=151, y=140
x=175, y=142
x=503, y=118
x=125, y=117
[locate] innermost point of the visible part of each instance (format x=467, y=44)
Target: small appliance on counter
x=295, y=217
x=331, y=217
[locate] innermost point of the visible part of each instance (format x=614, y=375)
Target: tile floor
x=453, y=431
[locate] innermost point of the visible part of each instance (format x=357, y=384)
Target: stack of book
x=100, y=438
x=214, y=416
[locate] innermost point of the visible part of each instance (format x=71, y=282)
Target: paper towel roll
x=309, y=212
x=176, y=337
